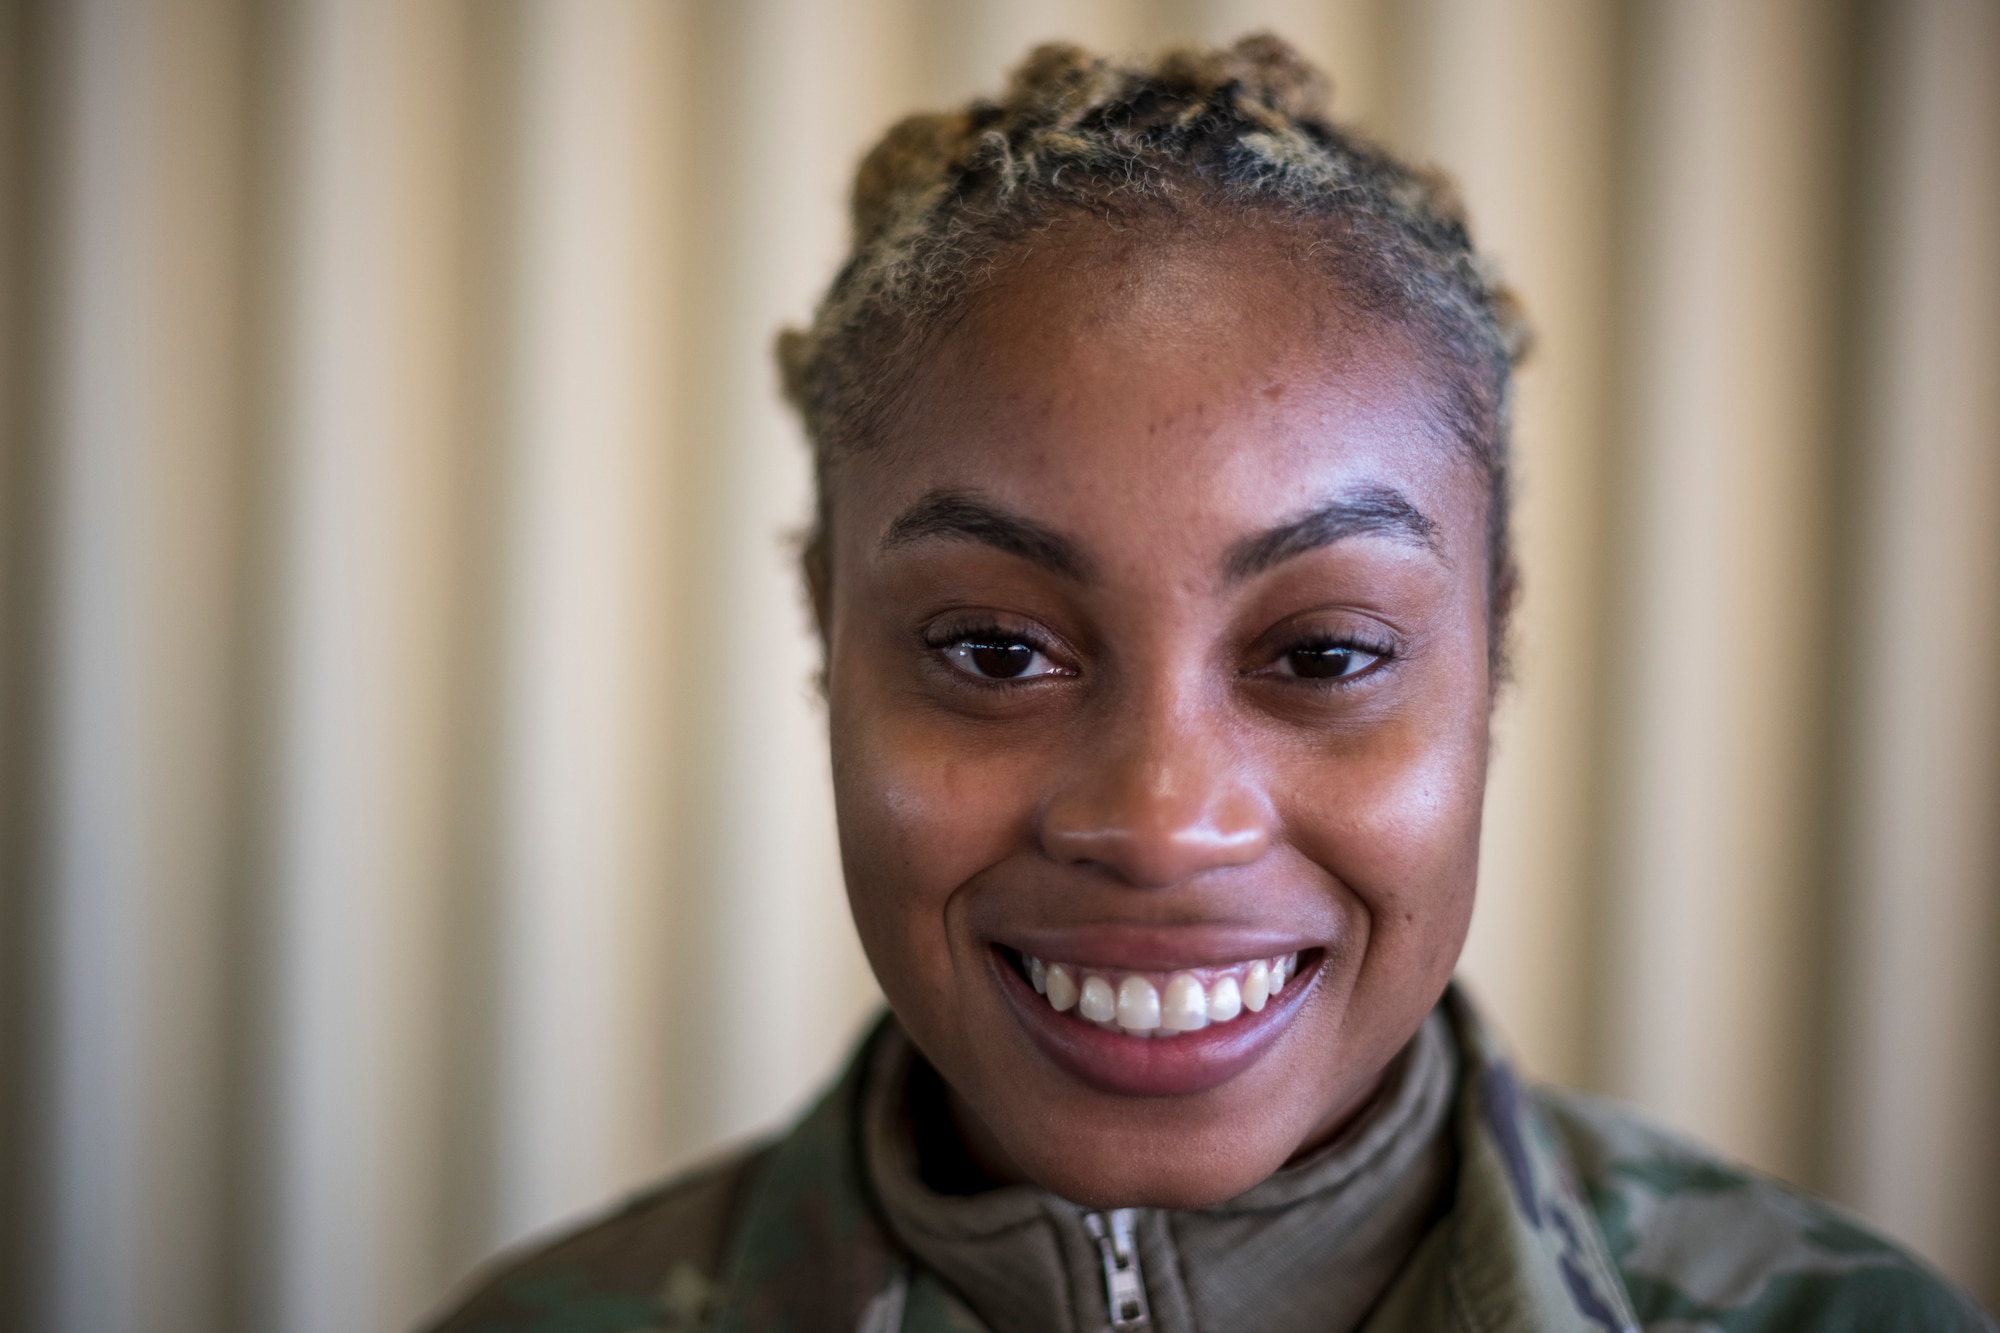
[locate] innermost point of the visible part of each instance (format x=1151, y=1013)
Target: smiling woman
x=1163, y=575
x=1173, y=474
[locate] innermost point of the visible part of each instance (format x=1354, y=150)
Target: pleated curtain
x=415, y=826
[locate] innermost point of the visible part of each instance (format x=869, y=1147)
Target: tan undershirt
x=1309, y=1250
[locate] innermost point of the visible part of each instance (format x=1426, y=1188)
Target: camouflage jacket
x=1568, y=1214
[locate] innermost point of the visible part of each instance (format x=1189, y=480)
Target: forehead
x=1192, y=387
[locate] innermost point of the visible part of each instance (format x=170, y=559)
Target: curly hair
x=946, y=199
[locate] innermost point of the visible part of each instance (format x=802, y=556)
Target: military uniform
x=1560, y=1212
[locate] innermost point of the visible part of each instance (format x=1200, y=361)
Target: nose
x=1169, y=804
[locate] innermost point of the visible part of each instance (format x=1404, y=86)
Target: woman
x=1163, y=569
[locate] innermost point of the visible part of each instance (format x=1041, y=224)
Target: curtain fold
x=1918, y=1061
x=415, y=825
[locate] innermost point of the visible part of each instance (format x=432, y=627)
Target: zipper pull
x=1124, y=1283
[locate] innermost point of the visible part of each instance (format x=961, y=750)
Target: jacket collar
x=1519, y=1252
x=1310, y=1249
x=1520, y=1249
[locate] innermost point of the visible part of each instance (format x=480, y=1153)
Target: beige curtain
x=414, y=824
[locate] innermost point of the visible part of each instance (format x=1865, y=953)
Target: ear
x=814, y=569
x=1501, y=602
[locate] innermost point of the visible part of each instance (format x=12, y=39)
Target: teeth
x=1135, y=1005
x=1097, y=1003
x=1061, y=986
x=1184, y=1008
x=1256, y=986
x=1138, y=1005
x=1225, y=1000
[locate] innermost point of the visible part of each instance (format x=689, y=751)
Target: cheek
x=922, y=812
x=1398, y=824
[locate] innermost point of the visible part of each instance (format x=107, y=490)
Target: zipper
x=1124, y=1282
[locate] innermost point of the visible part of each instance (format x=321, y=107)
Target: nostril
x=1154, y=820
x=1154, y=852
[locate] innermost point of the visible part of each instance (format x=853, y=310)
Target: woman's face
x=1158, y=665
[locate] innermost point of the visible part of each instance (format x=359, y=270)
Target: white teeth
x=1097, y=1002
x=1256, y=986
x=1061, y=986
x=1225, y=1001
x=1134, y=1005
x=1184, y=1008
x=1138, y=1005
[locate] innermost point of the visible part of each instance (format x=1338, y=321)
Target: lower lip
x=1188, y=1062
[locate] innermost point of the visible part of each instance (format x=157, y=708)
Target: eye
x=1327, y=661
x=997, y=657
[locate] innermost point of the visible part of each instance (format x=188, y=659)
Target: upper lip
x=1137, y=948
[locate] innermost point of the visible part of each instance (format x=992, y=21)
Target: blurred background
x=414, y=817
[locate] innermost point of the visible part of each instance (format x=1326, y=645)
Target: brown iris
x=1002, y=661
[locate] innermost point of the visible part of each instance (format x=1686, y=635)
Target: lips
x=1156, y=1032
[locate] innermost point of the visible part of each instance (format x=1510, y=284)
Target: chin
x=1154, y=1087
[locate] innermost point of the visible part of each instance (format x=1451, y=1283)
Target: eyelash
x=1333, y=643
x=940, y=641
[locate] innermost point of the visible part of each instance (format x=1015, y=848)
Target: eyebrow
x=960, y=515
x=957, y=514
x=1369, y=511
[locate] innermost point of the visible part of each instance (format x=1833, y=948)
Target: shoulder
x=1703, y=1244
x=651, y=1263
